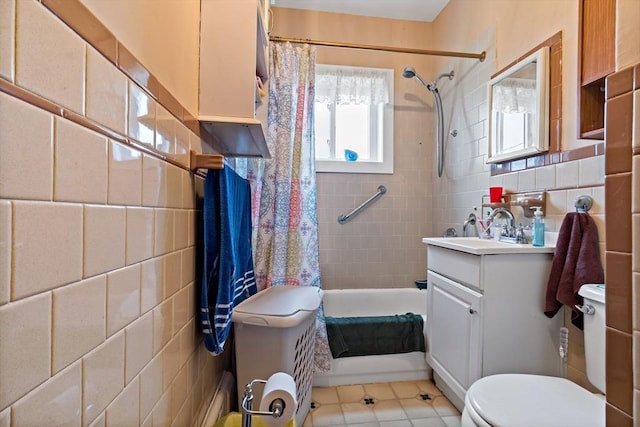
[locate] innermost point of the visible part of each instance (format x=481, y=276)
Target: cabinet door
x=453, y=332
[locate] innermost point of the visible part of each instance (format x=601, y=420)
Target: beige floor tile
x=396, y=423
x=452, y=421
x=379, y=391
x=444, y=408
x=405, y=390
x=324, y=395
x=428, y=387
x=327, y=415
x=417, y=408
x=355, y=413
x=371, y=424
x=428, y=422
x=350, y=393
x=389, y=410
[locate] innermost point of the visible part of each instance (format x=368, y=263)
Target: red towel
x=576, y=261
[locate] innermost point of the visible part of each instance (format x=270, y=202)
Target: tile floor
x=397, y=404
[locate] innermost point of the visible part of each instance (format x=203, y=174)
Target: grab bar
x=342, y=219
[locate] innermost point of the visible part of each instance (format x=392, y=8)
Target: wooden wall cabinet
x=596, y=60
x=233, y=54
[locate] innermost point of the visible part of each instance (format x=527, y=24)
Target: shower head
x=410, y=72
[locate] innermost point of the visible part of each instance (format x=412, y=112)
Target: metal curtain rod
x=481, y=56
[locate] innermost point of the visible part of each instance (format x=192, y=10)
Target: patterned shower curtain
x=285, y=224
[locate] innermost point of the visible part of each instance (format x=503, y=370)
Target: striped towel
x=228, y=276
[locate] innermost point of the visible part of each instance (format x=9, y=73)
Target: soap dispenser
x=538, y=227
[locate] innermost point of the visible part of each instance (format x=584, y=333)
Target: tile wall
x=97, y=240
x=622, y=115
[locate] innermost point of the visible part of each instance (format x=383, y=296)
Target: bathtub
x=379, y=368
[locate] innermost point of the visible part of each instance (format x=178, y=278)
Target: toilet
x=521, y=400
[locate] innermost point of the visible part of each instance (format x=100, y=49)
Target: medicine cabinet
x=518, y=103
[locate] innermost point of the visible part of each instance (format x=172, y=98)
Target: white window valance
x=515, y=96
x=352, y=85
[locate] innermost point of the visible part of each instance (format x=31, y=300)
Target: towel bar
x=342, y=219
x=206, y=161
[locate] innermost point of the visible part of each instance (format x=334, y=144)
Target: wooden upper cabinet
x=598, y=39
x=596, y=60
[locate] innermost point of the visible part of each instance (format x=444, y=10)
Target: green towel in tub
x=365, y=336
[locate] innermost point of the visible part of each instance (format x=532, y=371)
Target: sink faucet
x=505, y=212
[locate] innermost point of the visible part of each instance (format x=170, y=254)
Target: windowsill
x=323, y=166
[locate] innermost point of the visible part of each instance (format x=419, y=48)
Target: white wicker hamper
x=275, y=332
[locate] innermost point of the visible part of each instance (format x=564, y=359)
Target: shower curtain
x=285, y=225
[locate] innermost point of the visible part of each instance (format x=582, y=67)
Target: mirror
x=518, y=103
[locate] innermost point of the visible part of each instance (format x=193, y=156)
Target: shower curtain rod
x=481, y=56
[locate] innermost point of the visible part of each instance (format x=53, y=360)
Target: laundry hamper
x=275, y=332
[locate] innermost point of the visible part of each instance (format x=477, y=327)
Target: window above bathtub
x=353, y=116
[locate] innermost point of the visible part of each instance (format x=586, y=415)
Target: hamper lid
x=278, y=306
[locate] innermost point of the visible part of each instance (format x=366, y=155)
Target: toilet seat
x=520, y=400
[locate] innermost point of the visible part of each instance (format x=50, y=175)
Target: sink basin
x=477, y=246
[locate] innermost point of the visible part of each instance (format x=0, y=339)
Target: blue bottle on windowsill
x=538, y=228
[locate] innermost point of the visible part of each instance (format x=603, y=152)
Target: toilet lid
x=519, y=400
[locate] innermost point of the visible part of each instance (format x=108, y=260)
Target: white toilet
x=520, y=400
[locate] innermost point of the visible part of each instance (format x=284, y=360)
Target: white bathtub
x=379, y=368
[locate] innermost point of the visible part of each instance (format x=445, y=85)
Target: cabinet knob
x=472, y=311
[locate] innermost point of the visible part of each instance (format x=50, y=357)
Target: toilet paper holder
x=276, y=407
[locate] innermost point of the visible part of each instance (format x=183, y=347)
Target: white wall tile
x=567, y=174
x=7, y=39
x=163, y=235
x=100, y=421
x=162, y=410
x=103, y=376
x=56, y=402
x=125, y=409
x=188, y=191
x=5, y=418
x=188, y=266
x=5, y=251
x=140, y=231
x=123, y=297
x=527, y=180
x=170, y=361
x=53, y=70
x=592, y=171
x=154, y=182
x=138, y=345
x=47, y=246
x=165, y=131
x=181, y=228
x=26, y=362
x=180, y=309
x=152, y=285
x=545, y=177
x=142, y=115
x=172, y=273
x=162, y=323
x=150, y=385
x=125, y=175
x=510, y=182
x=182, y=144
x=81, y=164
x=104, y=239
x=20, y=121
x=174, y=186
x=107, y=95
x=83, y=302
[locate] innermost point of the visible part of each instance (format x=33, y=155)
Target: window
x=353, y=119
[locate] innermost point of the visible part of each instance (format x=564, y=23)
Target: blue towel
x=228, y=277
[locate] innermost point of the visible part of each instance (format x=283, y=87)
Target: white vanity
x=485, y=312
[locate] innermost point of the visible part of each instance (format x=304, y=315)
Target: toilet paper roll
x=279, y=386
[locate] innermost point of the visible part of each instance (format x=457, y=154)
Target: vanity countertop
x=476, y=246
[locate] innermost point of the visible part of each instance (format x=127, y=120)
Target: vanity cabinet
x=233, y=59
x=485, y=314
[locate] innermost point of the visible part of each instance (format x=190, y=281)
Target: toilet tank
x=594, y=333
